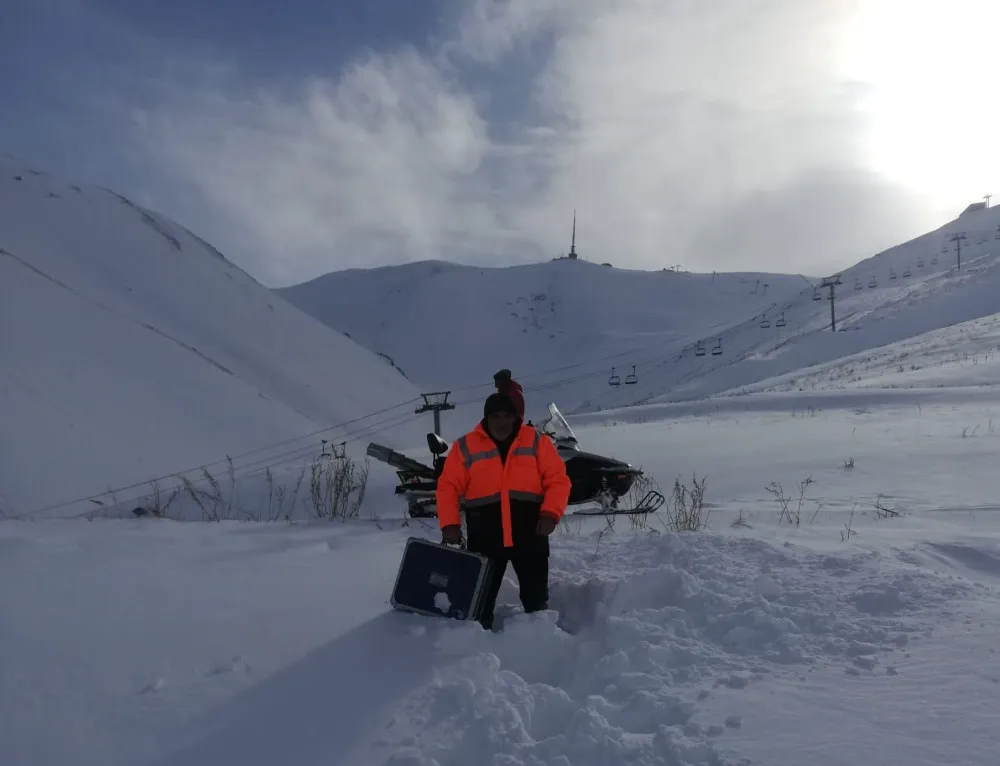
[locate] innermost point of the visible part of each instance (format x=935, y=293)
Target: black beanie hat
x=499, y=403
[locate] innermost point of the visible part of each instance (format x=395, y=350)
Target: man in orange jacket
x=515, y=489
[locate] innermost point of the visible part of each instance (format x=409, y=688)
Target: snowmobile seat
x=436, y=444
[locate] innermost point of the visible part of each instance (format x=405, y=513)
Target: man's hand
x=546, y=525
x=452, y=534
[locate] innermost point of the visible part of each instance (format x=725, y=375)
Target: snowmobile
x=594, y=478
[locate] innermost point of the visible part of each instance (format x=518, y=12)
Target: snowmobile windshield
x=557, y=427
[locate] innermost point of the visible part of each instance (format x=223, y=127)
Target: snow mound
x=968, y=557
x=656, y=625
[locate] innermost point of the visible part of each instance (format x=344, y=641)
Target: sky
x=303, y=137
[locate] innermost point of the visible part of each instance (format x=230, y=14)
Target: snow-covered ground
x=840, y=607
x=757, y=641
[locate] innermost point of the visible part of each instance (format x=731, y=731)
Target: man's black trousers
x=529, y=556
x=532, y=570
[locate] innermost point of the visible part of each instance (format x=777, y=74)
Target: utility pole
x=987, y=197
x=435, y=402
x=831, y=283
x=957, y=239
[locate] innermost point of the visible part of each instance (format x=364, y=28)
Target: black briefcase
x=441, y=580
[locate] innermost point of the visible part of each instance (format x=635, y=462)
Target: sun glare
x=931, y=105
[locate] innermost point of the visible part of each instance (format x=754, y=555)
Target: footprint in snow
x=737, y=680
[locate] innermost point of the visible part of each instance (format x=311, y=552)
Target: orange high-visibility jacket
x=533, y=471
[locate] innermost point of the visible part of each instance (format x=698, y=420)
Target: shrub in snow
x=337, y=486
x=793, y=517
x=686, y=507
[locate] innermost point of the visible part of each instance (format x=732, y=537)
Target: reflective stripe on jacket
x=473, y=470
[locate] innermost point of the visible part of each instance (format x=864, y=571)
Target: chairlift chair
x=765, y=323
x=614, y=380
x=920, y=263
x=934, y=261
x=700, y=350
x=872, y=284
x=907, y=273
x=892, y=274
x=857, y=284
x=717, y=348
x=781, y=320
x=816, y=295
x=631, y=380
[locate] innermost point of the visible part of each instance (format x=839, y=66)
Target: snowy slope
x=560, y=325
x=131, y=349
x=928, y=292
x=961, y=355
x=563, y=325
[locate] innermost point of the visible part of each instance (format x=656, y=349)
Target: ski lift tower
x=831, y=284
x=957, y=239
x=435, y=402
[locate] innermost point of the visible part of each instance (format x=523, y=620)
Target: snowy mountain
x=131, y=349
x=567, y=326
x=560, y=326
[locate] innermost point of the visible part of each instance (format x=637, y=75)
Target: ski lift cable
x=596, y=370
x=747, y=324
x=591, y=369
x=290, y=456
x=588, y=374
x=259, y=464
x=223, y=461
x=243, y=471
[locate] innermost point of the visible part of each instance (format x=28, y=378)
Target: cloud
x=669, y=124
x=813, y=224
x=490, y=29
